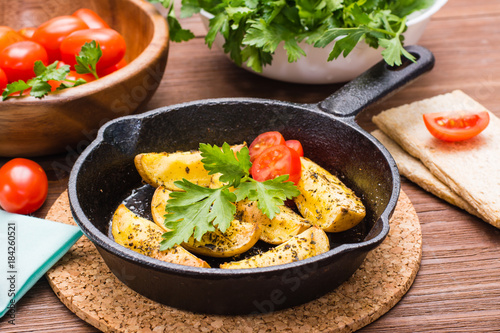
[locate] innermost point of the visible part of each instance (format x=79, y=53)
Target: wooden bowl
x=69, y=119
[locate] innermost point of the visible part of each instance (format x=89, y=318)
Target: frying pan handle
x=376, y=83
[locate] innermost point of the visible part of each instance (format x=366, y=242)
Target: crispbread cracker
x=471, y=168
x=414, y=170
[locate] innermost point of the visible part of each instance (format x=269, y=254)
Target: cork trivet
x=86, y=286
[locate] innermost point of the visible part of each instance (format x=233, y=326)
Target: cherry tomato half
x=264, y=141
x=295, y=145
x=456, y=126
x=27, y=32
x=3, y=81
x=51, y=33
x=91, y=18
x=23, y=186
x=8, y=37
x=276, y=161
x=112, y=45
x=17, y=60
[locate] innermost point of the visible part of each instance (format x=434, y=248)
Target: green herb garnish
x=253, y=29
x=86, y=60
x=199, y=210
x=86, y=63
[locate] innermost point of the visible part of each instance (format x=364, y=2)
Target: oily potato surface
x=143, y=236
x=326, y=201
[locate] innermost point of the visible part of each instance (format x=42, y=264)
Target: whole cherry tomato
x=51, y=33
x=456, y=126
x=8, y=36
x=112, y=69
x=295, y=145
x=23, y=186
x=277, y=161
x=264, y=141
x=3, y=81
x=91, y=18
x=112, y=45
x=27, y=32
x=17, y=60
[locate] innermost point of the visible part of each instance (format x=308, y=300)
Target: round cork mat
x=87, y=287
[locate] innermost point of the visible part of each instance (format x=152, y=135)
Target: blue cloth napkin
x=29, y=246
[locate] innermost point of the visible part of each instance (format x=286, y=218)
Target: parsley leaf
x=86, y=60
x=39, y=85
x=198, y=209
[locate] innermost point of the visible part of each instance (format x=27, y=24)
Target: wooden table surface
x=458, y=286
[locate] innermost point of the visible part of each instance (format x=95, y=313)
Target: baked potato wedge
x=307, y=244
x=326, y=201
x=165, y=168
x=281, y=228
x=143, y=236
x=238, y=238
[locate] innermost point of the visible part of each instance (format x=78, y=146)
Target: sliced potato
x=281, y=228
x=143, y=236
x=158, y=203
x=308, y=244
x=238, y=238
x=326, y=201
x=165, y=168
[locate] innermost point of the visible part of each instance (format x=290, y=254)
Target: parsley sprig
x=253, y=29
x=86, y=63
x=198, y=210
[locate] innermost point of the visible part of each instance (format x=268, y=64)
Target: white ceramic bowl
x=315, y=69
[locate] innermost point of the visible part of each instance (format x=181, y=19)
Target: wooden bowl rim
x=153, y=51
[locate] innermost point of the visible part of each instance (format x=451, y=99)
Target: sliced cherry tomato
x=3, y=81
x=456, y=126
x=91, y=18
x=112, y=45
x=112, y=69
x=8, y=37
x=264, y=141
x=23, y=186
x=276, y=161
x=27, y=32
x=17, y=60
x=295, y=145
x=51, y=33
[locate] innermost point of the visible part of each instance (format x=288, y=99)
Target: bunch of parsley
x=253, y=29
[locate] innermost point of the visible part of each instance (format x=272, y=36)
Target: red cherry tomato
x=23, y=186
x=456, y=126
x=112, y=45
x=264, y=141
x=27, y=32
x=8, y=37
x=17, y=60
x=276, y=161
x=51, y=33
x=295, y=145
x=112, y=69
x=91, y=18
x=3, y=81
